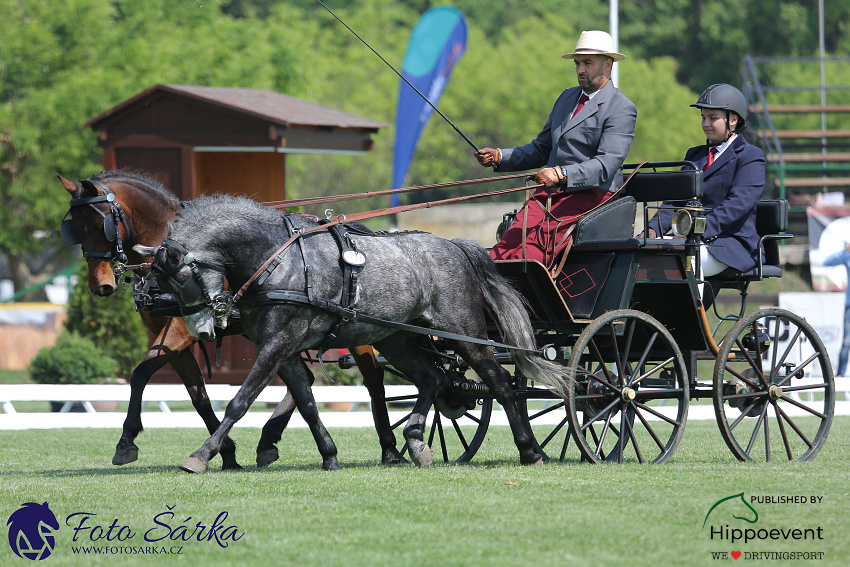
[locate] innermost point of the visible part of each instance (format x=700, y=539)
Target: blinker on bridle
x=110, y=224
x=192, y=291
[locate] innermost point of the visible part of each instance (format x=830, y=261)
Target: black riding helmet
x=728, y=98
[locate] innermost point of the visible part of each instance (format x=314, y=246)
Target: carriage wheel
x=456, y=425
x=774, y=391
x=630, y=397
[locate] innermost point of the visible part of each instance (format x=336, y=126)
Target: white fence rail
x=160, y=395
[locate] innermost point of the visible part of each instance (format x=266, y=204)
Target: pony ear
x=69, y=186
x=89, y=187
x=146, y=251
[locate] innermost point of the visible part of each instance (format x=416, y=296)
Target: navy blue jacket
x=731, y=189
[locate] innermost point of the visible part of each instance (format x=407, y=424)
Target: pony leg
x=481, y=360
x=267, y=452
x=171, y=347
x=373, y=379
x=404, y=353
x=298, y=379
x=261, y=374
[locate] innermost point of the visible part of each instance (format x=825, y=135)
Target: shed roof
x=264, y=104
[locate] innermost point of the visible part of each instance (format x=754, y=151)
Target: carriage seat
x=612, y=225
x=771, y=224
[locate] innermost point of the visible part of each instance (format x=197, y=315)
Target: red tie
x=581, y=100
x=711, y=153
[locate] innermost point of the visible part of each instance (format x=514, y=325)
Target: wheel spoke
x=644, y=356
x=402, y=420
x=605, y=429
x=634, y=440
x=547, y=410
x=621, y=441
x=753, y=365
x=655, y=369
x=434, y=427
x=442, y=437
x=460, y=435
x=740, y=376
x=803, y=388
x=566, y=442
x=766, y=436
x=803, y=407
x=782, y=431
x=756, y=430
x=622, y=361
x=595, y=417
x=602, y=364
x=554, y=432
x=650, y=429
x=657, y=414
x=800, y=367
x=794, y=426
x=791, y=344
x=744, y=414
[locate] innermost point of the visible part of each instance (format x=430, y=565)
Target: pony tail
x=507, y=308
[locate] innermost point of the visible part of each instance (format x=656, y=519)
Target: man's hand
x=549, y=176
x=649, y=233
x=488, y=156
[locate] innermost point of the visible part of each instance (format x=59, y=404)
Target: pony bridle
x=193, y=290
x=111, y=220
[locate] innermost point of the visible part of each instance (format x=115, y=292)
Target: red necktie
x=711, y=153
x=581, y=100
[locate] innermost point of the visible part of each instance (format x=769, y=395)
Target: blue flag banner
x=437, y=43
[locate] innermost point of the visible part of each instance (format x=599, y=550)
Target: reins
x=341, y=219
x=368, y=194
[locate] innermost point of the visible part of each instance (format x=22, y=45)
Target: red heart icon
x=736, y=555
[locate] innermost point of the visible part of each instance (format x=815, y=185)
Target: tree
x=62, y=63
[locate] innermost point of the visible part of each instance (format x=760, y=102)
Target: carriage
x=622, y=318
x=625, y=316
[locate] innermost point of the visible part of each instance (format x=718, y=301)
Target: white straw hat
x=595, y=43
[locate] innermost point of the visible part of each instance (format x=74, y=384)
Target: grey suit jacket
x=591, y=147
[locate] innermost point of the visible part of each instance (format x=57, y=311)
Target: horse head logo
x=733, y=507
x=31, y=530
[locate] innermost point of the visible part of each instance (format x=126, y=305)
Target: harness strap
x=360, y=216
x=276, y=297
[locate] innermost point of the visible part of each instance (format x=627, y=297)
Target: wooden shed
x=204, y=140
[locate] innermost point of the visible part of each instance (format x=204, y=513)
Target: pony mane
x=218, y=212
x=139, y=181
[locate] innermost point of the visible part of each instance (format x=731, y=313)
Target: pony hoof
x=331, y=464
x=538, y=462
x=267, y=457
x=232, y=466
x=194, y=465
x=393, y=458
x=424, y=457
x=125, y=455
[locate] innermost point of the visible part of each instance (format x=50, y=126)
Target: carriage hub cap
x=628, y=394
x=775, y=392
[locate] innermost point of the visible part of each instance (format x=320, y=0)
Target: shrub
x=72, y=360
x=110, y=322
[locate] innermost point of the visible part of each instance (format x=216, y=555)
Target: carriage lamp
x=688, y=221
x=759, y=336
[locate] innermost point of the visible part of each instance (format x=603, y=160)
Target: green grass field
x=490, y=512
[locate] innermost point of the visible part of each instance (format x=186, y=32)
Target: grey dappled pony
x=414, y=278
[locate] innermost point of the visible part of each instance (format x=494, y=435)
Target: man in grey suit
x=580, y=150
